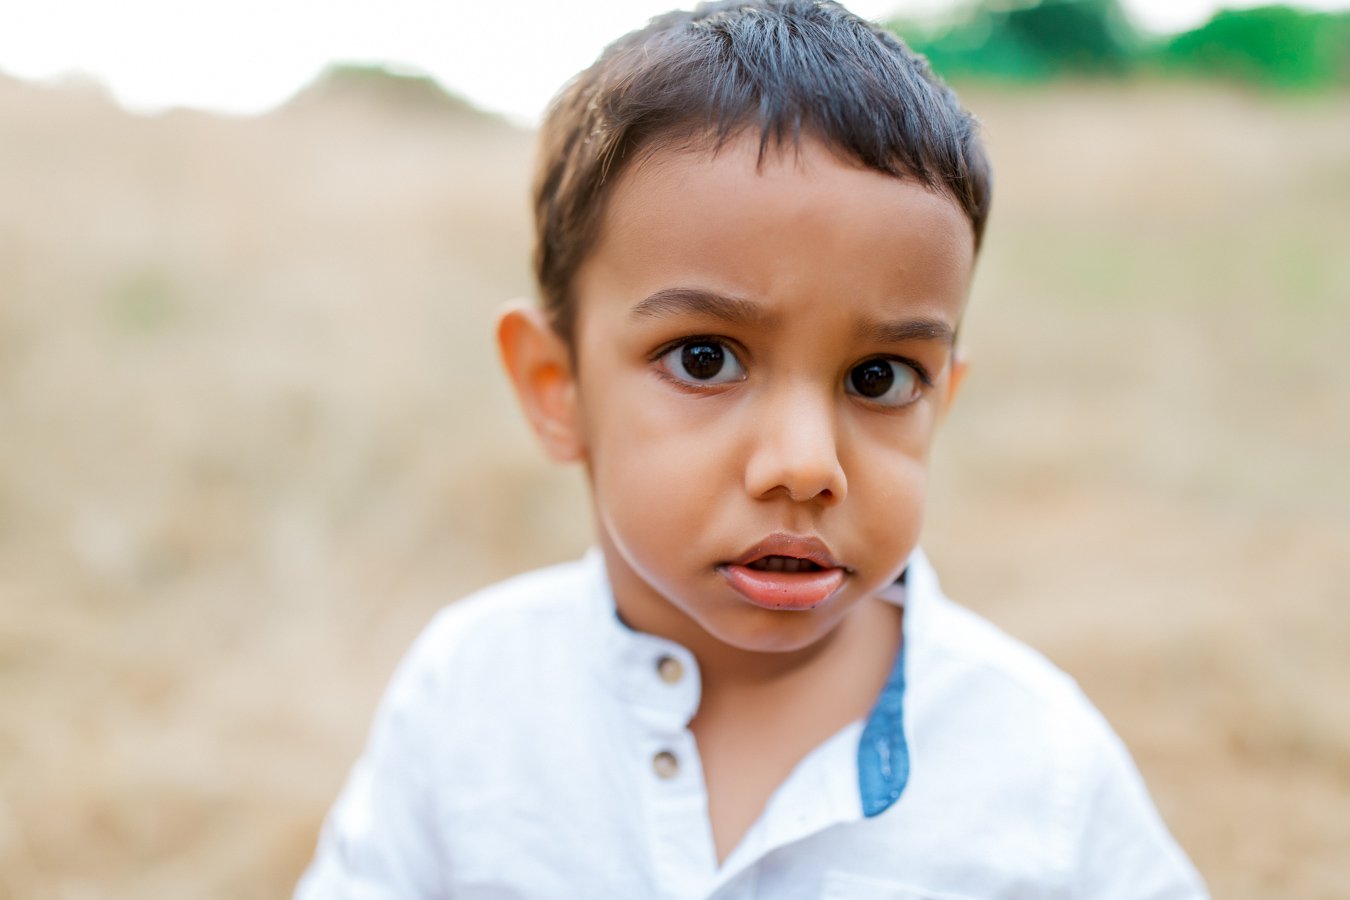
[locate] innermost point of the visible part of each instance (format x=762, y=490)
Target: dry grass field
x=252, y=435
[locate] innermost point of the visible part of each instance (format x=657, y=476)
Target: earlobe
x=537, y=361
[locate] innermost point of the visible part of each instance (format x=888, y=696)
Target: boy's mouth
x=788, y=552
x=783, y=564
x=786, y=572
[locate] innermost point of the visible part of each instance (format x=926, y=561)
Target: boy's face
x=762, y=359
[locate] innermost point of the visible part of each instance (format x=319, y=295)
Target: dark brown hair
x=781, y=67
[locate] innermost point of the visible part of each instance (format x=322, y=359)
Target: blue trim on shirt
x=883, y=755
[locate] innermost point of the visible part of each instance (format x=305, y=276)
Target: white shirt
x=532, y=746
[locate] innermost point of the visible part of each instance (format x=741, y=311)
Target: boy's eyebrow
x=681, y=301
x=686, y=301
x=898, y=332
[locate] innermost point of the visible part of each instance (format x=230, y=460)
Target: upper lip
x=801, y=547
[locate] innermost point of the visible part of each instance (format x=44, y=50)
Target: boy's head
x=778, y=70
x=757, y=224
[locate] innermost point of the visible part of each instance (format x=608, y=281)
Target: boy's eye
x=885, y=381
x=703, y=361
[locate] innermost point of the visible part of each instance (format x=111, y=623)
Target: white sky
x=245, y=56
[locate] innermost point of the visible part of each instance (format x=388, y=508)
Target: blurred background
x=253, y=434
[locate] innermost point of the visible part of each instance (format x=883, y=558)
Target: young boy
x=756, y=228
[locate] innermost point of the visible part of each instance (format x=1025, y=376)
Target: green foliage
x=1030, y=41
x=1271, y=44
x=1034, y=40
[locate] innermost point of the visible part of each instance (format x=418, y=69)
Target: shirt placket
x=665, y=696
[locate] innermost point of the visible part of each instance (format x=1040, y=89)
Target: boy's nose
x=796, y=453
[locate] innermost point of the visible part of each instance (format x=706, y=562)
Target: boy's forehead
x=685, y=189
x=726, y=223
x=744, y=158
x=743, y=155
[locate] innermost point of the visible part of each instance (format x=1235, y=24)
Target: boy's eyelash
x=696, y=339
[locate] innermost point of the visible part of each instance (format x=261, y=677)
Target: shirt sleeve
x=1123, y=849
x=380, y=839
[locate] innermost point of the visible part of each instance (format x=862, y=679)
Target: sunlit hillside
x=252, y=434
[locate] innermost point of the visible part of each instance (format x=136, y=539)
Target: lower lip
x=783, y=590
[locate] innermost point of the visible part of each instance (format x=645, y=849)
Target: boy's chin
x=774, y=632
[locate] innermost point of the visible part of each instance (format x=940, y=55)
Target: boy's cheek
x=653, y=459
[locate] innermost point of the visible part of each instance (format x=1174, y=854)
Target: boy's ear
x=960, y=366
x=540, y=368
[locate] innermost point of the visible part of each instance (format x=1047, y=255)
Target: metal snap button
x=670, y=669
x=665, y=765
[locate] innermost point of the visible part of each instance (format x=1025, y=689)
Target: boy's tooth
x=789, y=564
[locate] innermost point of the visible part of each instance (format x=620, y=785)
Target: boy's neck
x=756, y=722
